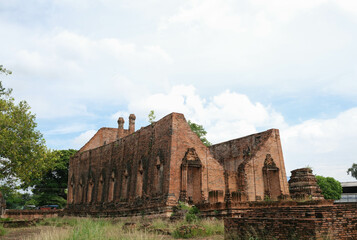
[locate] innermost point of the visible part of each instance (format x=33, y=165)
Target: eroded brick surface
x=254, y=166
x=310, y=220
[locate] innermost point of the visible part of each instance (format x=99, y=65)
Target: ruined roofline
x=99, y=130
x=269, y=131
x=123, y=138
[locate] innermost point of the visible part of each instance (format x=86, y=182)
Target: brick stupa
x=303, y=185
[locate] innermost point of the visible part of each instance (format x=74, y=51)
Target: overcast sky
x=236, y=67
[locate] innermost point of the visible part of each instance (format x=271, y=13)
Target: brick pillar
x=132, y=118
x=183, y=192
x=120, y=133
x=227, y=197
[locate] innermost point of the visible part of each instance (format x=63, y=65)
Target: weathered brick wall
x=244, y=160
x=130, y=173
x=211, y=171
x=158, y=165
x=32, y=214
x=294, y=222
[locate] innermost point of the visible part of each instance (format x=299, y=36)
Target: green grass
x=100, y=229
x=3, y=231
x=213, y=227
x=59, y=222
x=89, y=229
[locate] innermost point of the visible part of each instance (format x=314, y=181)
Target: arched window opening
x=159, y=172
x=139, y=180
x=71, y=190
x=125, y=182
x=80, y=191
x=90, y=189
x=111, y=187
x=100, y=188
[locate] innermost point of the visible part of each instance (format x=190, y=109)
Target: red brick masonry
x=148, y=171
x=281, y=221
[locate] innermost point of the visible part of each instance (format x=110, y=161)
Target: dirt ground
x=20, y=233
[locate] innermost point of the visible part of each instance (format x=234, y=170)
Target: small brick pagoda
x=303, y=185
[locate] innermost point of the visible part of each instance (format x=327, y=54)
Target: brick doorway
x=194, y=185
x=271, y=179
x=191, y=178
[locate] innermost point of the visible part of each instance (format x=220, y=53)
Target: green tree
x=151, y=117
x=353, y=170
x=200, y=131
x=14, y=199
x=51, y=188
x=23, y=153
x=330, y=187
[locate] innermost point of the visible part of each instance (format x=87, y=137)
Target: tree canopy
x=23, y=153
x=51, y=188
x=151, y=116
x=330, y=187
x=353, y=170
x=200, y=131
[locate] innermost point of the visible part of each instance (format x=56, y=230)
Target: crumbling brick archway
x=90, y=187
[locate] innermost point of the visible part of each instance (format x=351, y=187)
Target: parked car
x=49, y=207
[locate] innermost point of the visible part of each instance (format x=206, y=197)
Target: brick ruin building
x=123, y=172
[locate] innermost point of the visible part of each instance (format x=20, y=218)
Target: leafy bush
x=192, y=214
x=331, y=188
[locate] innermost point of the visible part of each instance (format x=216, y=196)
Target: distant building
x=349, y=192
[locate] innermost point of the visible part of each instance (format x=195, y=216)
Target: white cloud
x=69, y=63
x=66, y=129
x=66, y=69
x=327, y=145
x=225, y=116
x=83, y=138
